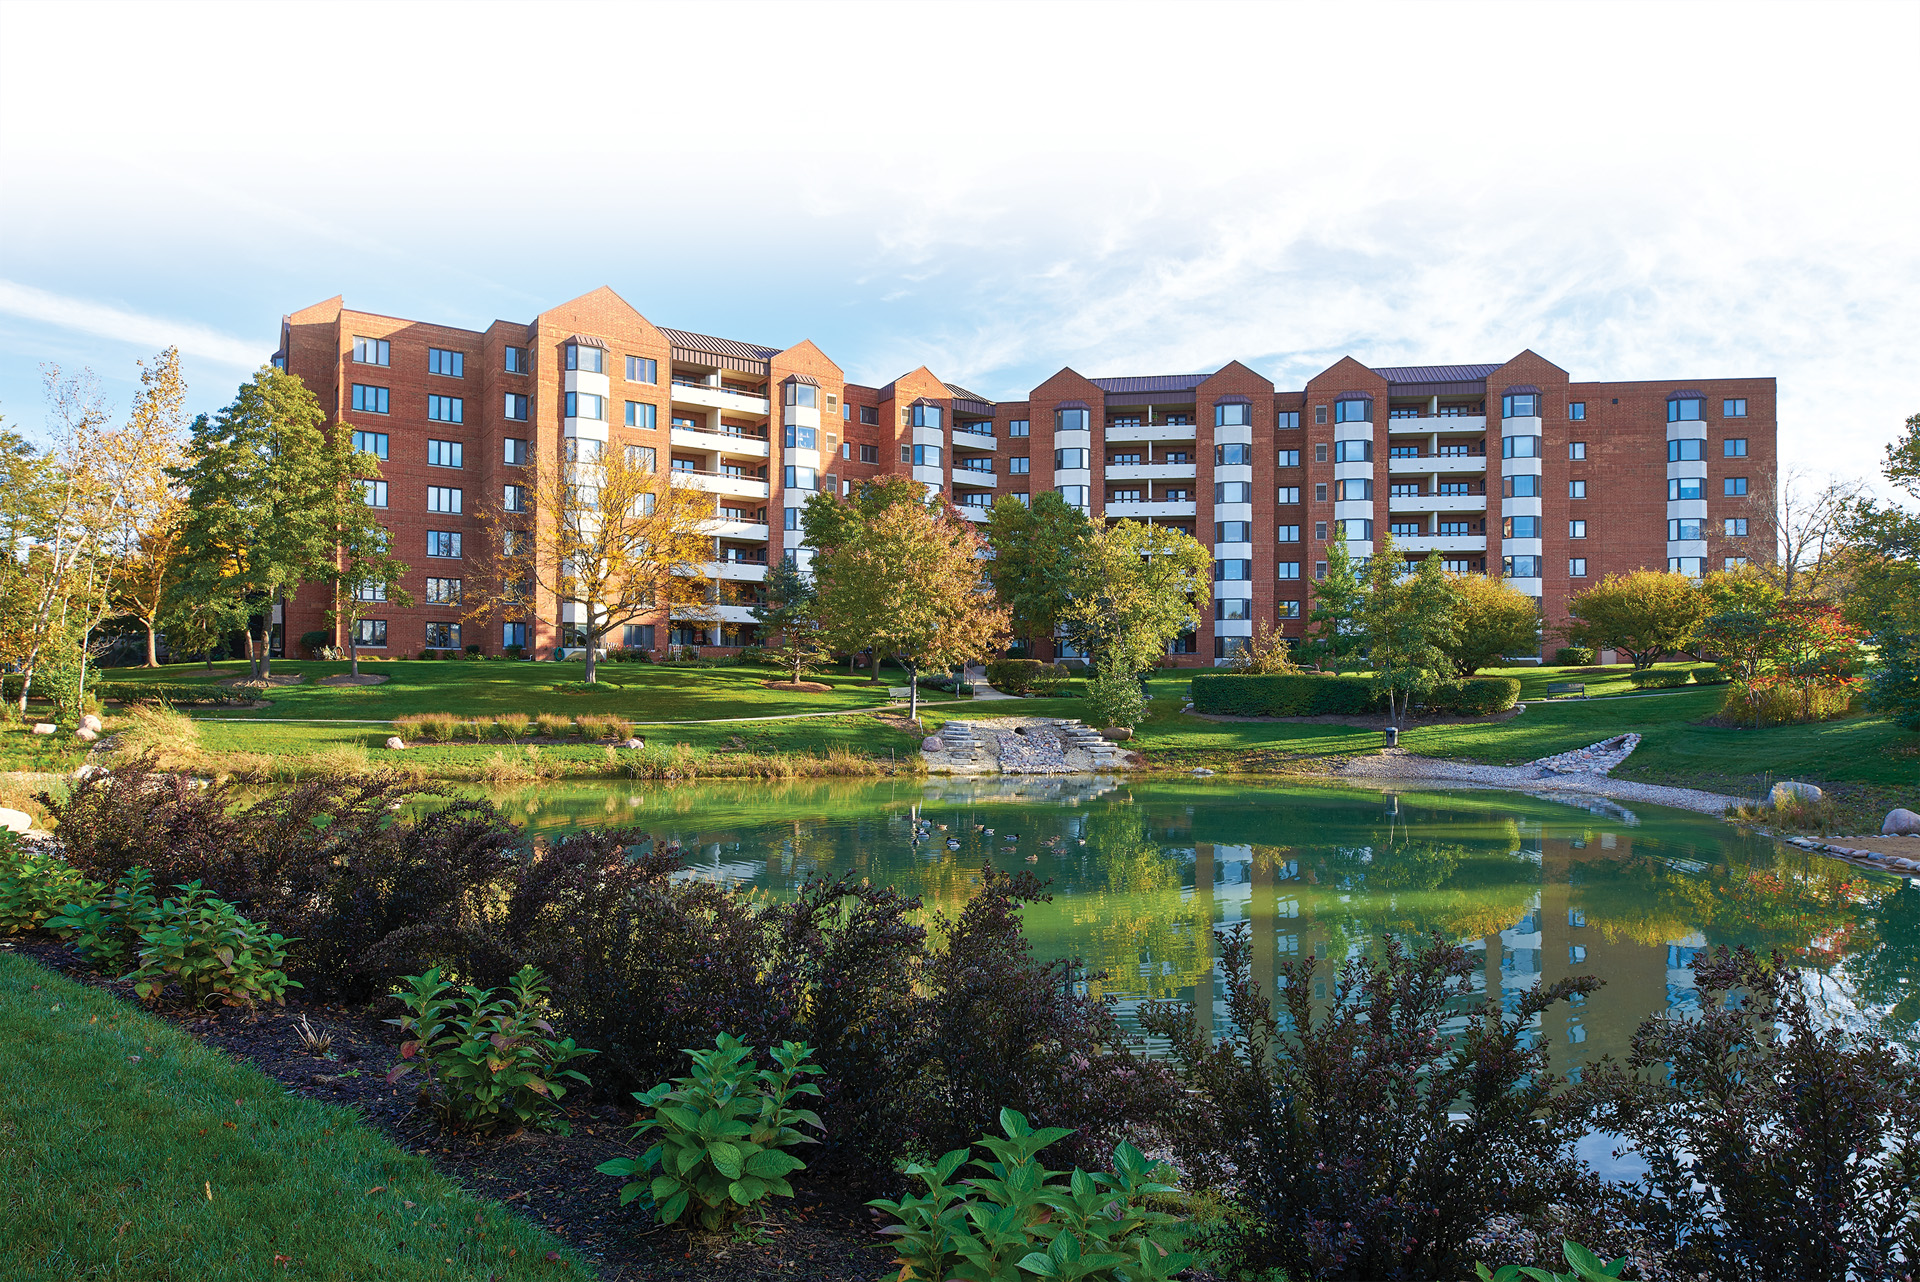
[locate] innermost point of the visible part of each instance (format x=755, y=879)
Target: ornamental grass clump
x=553, y=725
x=490, y=1055
x=721, y=1134
x=512, y=725
x=604, y=725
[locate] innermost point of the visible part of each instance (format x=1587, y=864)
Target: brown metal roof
x=965, y=395
x=1355, y=395
x=808, y=379
x=584, y=340
x=1073, y=405
x=962, y=405
x=1435, y=373
x=724, y=353
x=1522, y=389
x=1686, y=396
x=1233, y=398
x=1151, y=383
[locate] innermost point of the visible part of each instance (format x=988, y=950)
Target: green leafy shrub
x=1474, y=696
x=585, y=687
x=1304, y=695
x=1574, y=656
x=1013, y=676
x=34, y=886
x=1017, y=1218
x=721, y=1134
x=1050, y=680
x=1711, y=674
x=1583, y=1264
x=1660, y=678
x=204, y=945
x=1115, y=699
x=491, y=1055
x=178, y=694
x=105, y=929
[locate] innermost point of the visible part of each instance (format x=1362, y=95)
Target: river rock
x=1202, y=771
x=85, y=735
x=91, y=722
x=89, y=770
x=1794, y=790
x=1901, y=823
x=44, y=727
x=15, y=820
x=933, y=743
x=635, y=742
x=1117, y=734
x=395, y=742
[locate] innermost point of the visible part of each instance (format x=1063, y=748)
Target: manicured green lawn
x=134, y=1154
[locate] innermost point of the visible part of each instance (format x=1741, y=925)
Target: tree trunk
x=913, y=691
x=593, y=638
x=353, y=651
x=253, y=656
x=153, y=648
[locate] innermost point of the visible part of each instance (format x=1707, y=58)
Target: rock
x=89, y=771
x=1789, y=790
x=635, y=742
x=1901, y=823
x=933, y=743
x=395, y=742
x=15, y=820
x=1118, y=734
x=43, y=727
x=1202, y=771
x=91, y=722
x=85, y=735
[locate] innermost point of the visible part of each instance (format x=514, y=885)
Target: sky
x=1635, y=191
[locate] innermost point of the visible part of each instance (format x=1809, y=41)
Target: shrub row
x=1573, y=656
x=445, y=727
x=1301, y=695
x=1473, y=697
x=178, y=695
x=1026, y=676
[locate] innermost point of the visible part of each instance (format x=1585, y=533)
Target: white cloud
x=117, y=323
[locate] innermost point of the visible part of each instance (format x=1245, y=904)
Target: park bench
x=1567, y=687
x=899, y=692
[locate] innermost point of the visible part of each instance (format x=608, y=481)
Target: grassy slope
x=115, y=1125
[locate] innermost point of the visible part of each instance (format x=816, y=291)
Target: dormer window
x=1356, y=411
x=582, y=357
x=1520, y=405
x=1683, y=410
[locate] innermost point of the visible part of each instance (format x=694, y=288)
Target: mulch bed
x=250, y=683
x=810, y=687
x=823, y=1233
x=348, y=679
x=1380, y=722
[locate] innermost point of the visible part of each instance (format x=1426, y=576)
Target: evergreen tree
x=792, y=611
x=1407, y=621
x=1332, y=641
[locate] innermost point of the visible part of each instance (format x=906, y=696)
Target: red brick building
x=1510, y=468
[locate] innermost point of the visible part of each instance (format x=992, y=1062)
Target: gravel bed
x=1393, y=764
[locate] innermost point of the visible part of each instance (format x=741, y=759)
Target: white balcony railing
x=1150, y=472
x=970, y=476
x=1440, y=423
x=1437, y=503
x=735, y=443
x=746, y=487
x=973, y=512
x=1152, y=432
x=1141, y=509
x=736, y=571
x=1440, y=542
x=1427, y=464
x=972, y=440
x=719, y=399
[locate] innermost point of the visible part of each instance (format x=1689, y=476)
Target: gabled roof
x=1151, y=383
x=1435, y=373
x=712, y=346
x=965, y=395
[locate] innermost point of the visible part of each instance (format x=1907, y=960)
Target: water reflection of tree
x=1405, y=887
x=1137, y=923
x=1884, y=974
x=1763, y=898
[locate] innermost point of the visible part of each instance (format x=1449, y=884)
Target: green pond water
x=1143, y=873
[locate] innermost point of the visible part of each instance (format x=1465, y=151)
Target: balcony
x=708, y=396
x=974, y=476
x=1428, y=424
x=1440, y=542
x=1428, y=464
x=746, y=487
x=1144, y=509
x=742, y=531
x=965, y=440
x=972, y=511
x=720, y=441
x=1150, y=472
x=736, y=570
x=733, y=613
x=1151, y=432
x=1437, y=503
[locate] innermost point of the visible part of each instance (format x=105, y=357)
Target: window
x=1735, y=486
x=1353, y=411
x=1287, y=534
x=1319, y=414
x=513, y=636
x=1683, y=411
x=1319, y=569
x=1232, y=415
x=1320, y=493
x=643, y=414
x=1229, y=455
x=643, y=369
x=443, y=543
x=802, y=478
x=1576, y=529
x=1286, y=609
x=516, y=450
x=1735, y=562
x=1684, y=530
x=846, y=411
x=1115, y=459
x=1353, y=451
x=1175, y=456
x=1576, y=411
x=1736, y=527
x=1178, y=420
x=443, y=636
x=1070, y=420
x=1069, y=460
x=513, y=498
x=444, y=453
x=925, y=416
x=371, y=632
x=1232, y=570
x=371, y=351
x=1233, y=607
x=1232, y=532
x=1289, y=569
x=637, y=636
x=446, y=409
x=368, y=399
x=1520, y=567
x=1289, y=494
x=1519, y=447
x=1403, y=451
x=801, y=438
x=1689, y=450
x=1404, y=411
x=871, y=454
x=1233, y=492
x=1320, y=530
x=1405, y=529
x=1576, y=449
x=1576, y=489
x=373, y=493
x=588, y=406
x=443, y=498
x=1357, y=530
x=1691, y=566
x=374, y=443
x=1350, y=491
x=1686, y=487
x=1734, y=447
x=928, y=455
x=515, y=408
x=643, y=458
x=1320, y=453
x=1734, y=407
x=1287, y=458
x=1520, y=527
x=1457, y=566
x=450, y=364
x=1123, y=496
x=591, y=359
x=1521, y=406
x=804, y=395
x=1073, y=495
x=516, y=360
x=443, y=591
x=1453, y=487
x=1287, y=419
x=1520, y=487
x=370, y=591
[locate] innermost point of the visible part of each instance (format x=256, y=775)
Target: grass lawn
x=134, y=1153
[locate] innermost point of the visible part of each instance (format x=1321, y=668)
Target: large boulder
x=91, y=722
x=1788, y=791
x=15, y=820
x=933, y=743
x=1901, y=823
x=395, y=742
x=84, y=735
x=44, y=727
x=635, y=742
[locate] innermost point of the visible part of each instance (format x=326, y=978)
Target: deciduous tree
x=1884, y=590
x=148, y=538
x=366, y=576
x=1332, y=642
x=1495, y=619
x=1644, y=615
x=1407, y=622
x=1039, y=554
x=1140, y=589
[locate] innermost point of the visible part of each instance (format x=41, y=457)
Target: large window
x=1686, y=487
x=1233, y=607
x=446, y=363
x=1233, y=492
x=1520, y=405
x=515, y=407
x=513, y=498
x=926, y=456
x=1232, y=415
x=925, y=416
x=591, y=359
x=1232, y=570
x=371, y=351
x=1520, y=527
x=804, y=395
x=368, y=399
x=374, y=443
x=1230, y=455
x=1687, y=450
x=643, y=414
x=444, y=453
x=643, y=369
x=371, y=632
x=446, y=409
x=1520, y=567
x=1069, y=460
x=1073, y=495
x=443, y=636
x=1351, y=491
x=802, y=478
x=586, y=405
x=443, y=543
x=1353, y=451
x=1520, y=487
x=1519, y=447
x=374, y=493
x=515, y=451
x=516, y=360
x=801, y=438
x=1691, y=566
x=1683, y=411
x=1685, y=531
x=1357, y=530
x=443, y=498
x=1232, y=532
x=637, y=636
x=513, y=636
x=443, y=591
x=643, y=458
x=1353, y=412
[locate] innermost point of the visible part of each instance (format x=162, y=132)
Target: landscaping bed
x=547, y=1179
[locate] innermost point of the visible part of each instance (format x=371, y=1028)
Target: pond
x=1142, y=874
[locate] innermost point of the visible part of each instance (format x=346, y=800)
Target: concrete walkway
x=977, y=678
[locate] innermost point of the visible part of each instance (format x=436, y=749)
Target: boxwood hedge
x=1346, y=694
